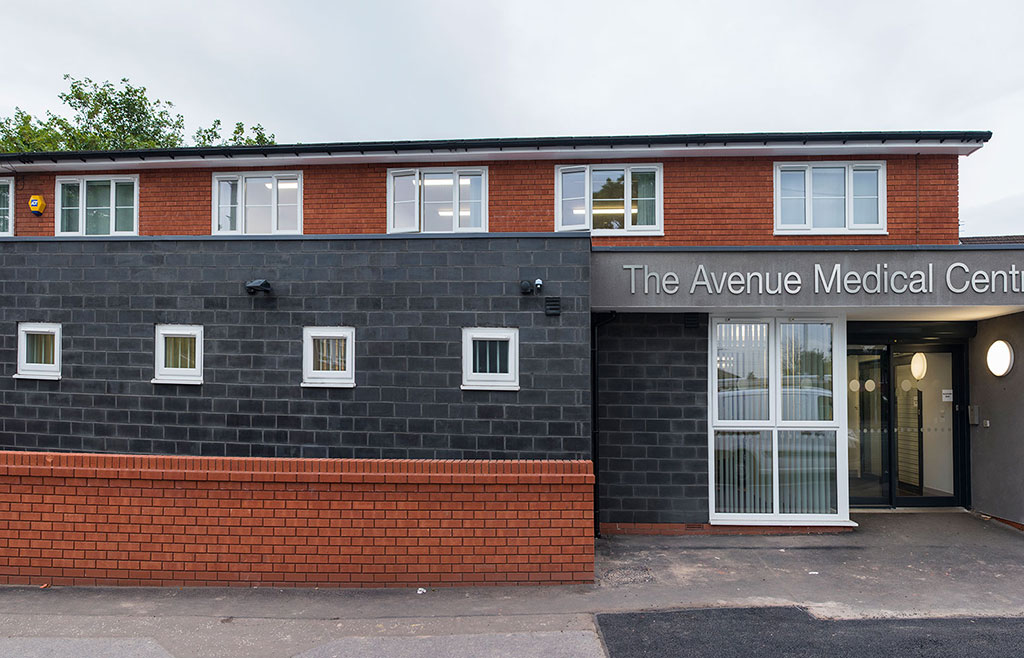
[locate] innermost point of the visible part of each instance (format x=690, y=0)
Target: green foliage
x=104, y=116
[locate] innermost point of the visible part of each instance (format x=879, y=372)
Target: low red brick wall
x=708, y=529
x=86, y=519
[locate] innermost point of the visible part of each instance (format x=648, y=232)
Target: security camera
x=258, y=285
x=537, y=285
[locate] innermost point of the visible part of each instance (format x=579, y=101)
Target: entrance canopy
x=882, y=283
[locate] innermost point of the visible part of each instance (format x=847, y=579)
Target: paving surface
x=895, y=566
x=778, y=632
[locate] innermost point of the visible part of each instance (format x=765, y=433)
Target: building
x=434, y=362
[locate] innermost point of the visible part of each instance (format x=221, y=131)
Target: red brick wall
x=708, y=201
x=85, y=519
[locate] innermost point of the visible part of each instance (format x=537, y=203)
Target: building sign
x=857, y=277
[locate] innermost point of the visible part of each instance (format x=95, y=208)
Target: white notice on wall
x=947, y=395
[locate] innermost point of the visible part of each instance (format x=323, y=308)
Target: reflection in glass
x=807, y=472
x=866, y=418
x=742, y=358
x=805, y=356
x=608, y=198
x=574, y=198
x=743, y=472
x=643, y=198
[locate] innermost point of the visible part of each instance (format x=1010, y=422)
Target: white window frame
x=82, y=180
x=28, y=370
x=9, y=183
x=241, y=177
x=774, y=424
x=629, y=229
x=807, y=228
x=473, y=381
x=165, y=375
x=418, y=172
x=333, y=379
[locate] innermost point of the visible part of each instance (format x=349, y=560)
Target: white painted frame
x=28, y=370
x=9, y=183
x=241, y=177
x=165, y=375
x=659, y=202
x=474, y=381
x=839, y=423
x=82, y=180
x=328, y=379
x=807, y=228
x=417, y=173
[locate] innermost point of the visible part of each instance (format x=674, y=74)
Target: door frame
x=951, y=337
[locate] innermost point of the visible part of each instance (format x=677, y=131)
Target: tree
x=104, y=116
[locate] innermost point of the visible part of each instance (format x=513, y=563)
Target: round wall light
x=919, y=366
x=999, y=358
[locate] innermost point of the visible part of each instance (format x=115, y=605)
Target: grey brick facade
x=407, y=297
x=652, y=419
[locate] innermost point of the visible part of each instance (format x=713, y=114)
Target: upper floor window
x=257, y=203
x=6, y=206
x=609, y=199
x=830, y=197
x=97, y=205
x=437, y=200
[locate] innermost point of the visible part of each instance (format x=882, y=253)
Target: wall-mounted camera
x=528, y=288
x=258, y=285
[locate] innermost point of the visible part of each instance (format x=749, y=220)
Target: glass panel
x=793, y=184
x=828, y=181
x=97, y=207
x=437, y=187
x=438, y=208
x=5, y=208
x=227, y=218
x=69, y=202
x=828, y=213
x=39, y=349
x=257, y=219
x=794, y=212
x=180, y=351
x=5, y=221
x=329, y=354
x=288, y=191
x=865, y=211
x=807, y=472
x=865, y=182
x=471, y=187
x=258, y=191
x=227, y=200
x=404, y=188
x=574, y=212
x=574, y=184
x=923, y=394
x=287, y=218
x=741, y=354
x=438, y=217
x=124, y=219
x=644, y=212
x=743, y=472
x=490, y=357
x=471, y=214
x=643, y=198
x=405, y=215
x=805, y=357
x=608, y=204
x=866, y=416
x=124, y=195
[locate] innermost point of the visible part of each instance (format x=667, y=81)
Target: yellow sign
x=36, y=205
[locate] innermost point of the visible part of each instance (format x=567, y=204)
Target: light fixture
x=919, y=366
x=999, y=358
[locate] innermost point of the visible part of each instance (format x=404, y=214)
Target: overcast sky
x=396, y=69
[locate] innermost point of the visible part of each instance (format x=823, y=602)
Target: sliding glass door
x=775, y=430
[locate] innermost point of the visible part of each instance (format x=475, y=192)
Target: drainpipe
x=594, y=445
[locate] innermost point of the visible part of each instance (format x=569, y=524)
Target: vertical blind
x=743, y=472
x=807, y=472
x=805, y=353
x=643, y=198
x=490, y=357
x=329, y=354
x=39, y=348
x=741, y=352
x=179, y=351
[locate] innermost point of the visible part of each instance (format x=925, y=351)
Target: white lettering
x=949, y=278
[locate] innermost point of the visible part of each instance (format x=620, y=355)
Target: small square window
x=179, y=354
x=328, y=357
x=490, y=359
x=38, y=351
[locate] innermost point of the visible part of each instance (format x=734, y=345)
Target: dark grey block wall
x=407, y=298
x=997, y=451
x=652, y=419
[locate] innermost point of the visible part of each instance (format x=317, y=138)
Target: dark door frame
x=922, y=337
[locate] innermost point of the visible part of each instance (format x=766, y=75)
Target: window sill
x=777, y=521
x=847, y=232
x=177, y=380
x=328, y=384
x=624, y=233
x=490, y=387
x=42, y=376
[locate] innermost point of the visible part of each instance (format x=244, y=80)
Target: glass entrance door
x=905, y=425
